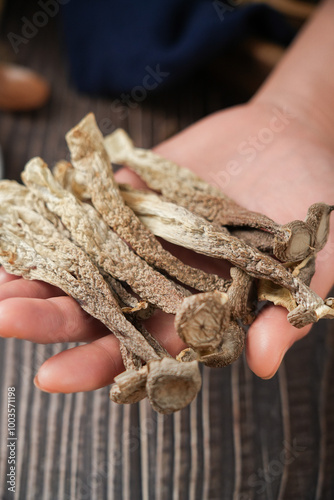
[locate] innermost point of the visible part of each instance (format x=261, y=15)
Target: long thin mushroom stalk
x=31, y=247
x=292, y=241
x=129, y=386
x=179, y=226
x=241, y=295
x=89, y=157
x=257, y=238
x=317, y=218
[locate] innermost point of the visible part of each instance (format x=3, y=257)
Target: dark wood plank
x=241, y=439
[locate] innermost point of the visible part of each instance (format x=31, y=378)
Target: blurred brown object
x=21, y=89
x=246, y=65
x=296, y=11
x=2, y=8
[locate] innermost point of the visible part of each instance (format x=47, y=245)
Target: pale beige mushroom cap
x=172, y=385
x=202, y=319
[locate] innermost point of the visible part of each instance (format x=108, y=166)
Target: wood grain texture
x=242, y=438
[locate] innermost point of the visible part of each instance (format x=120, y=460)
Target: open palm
x=269, y=160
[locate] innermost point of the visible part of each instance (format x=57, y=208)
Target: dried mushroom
x=172, y=385
x=77, y=229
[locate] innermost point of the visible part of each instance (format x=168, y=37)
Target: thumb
x=268, y=339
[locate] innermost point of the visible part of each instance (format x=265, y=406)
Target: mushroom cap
x=296, y=243
x=202, y=319
x=229, y=350
x=172, y=385
x=129, y=386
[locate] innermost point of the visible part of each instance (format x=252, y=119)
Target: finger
x=5, y=277
x=126, y=176
x=83, y=368
x=268, y=339
x=161, y=326
x=58, y=319
x=28, y=288
x=89, y=367
x=271, y=335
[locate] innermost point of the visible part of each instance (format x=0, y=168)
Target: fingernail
x=273, y=373
x=270, y=376
x=36, y=382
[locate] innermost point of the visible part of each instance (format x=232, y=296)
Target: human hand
x=277, y=162
x=277, y=177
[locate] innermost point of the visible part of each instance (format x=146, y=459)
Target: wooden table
x=242, y=438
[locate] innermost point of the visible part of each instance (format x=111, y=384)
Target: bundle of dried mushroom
x=76, y=228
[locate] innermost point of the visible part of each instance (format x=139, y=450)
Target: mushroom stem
x=229, y=350
x=12, y=190
x=318, y=218
x=240, y=296
x=129, y=386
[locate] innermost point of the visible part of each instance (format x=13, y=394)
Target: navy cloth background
x=128, y=45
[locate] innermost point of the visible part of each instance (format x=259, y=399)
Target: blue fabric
x=129, y=45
